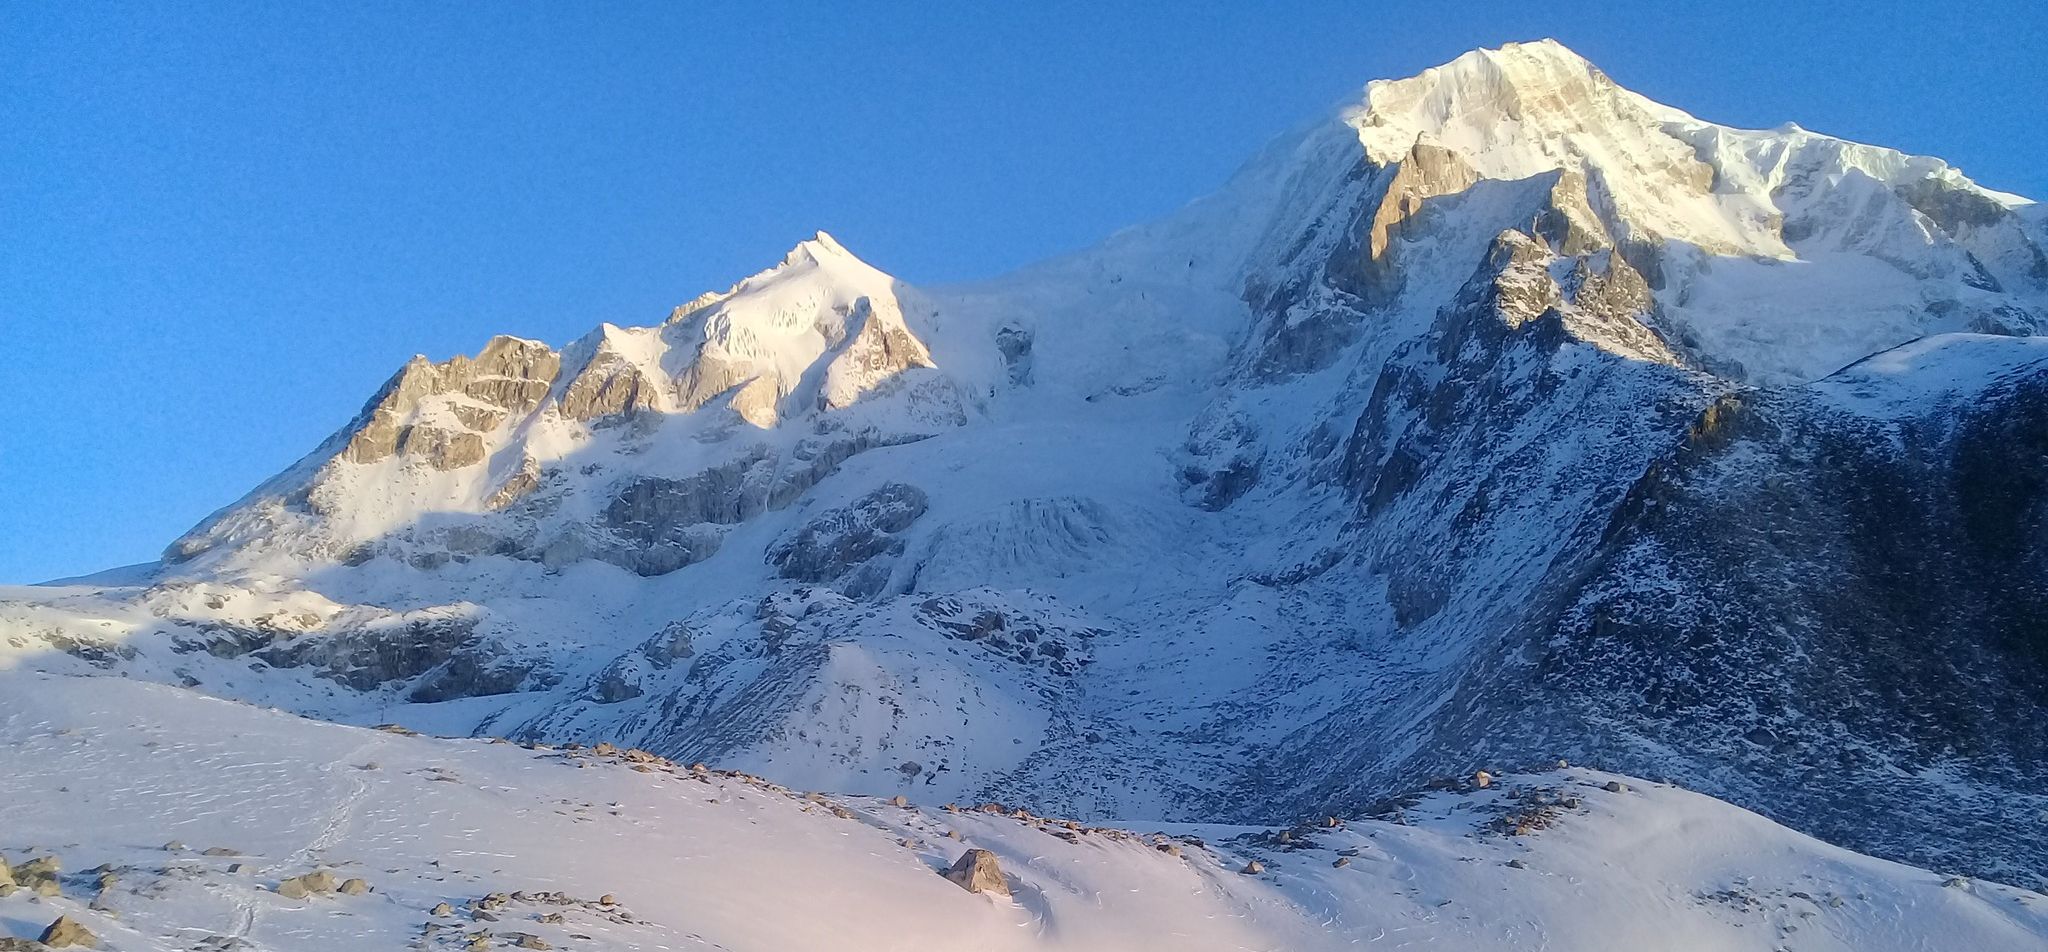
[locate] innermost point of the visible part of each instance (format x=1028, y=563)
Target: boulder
x=977, y=872
x=66, y=933
x=354, y=887
x=319, y=881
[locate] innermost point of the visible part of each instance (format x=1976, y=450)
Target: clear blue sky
x=223, y=225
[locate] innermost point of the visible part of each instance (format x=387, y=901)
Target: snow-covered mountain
x=1501, y=416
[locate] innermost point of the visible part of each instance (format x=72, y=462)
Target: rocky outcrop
x=977, y=872
x=1811, y=594
x=608, y=386
x=657, y=525
x=509, y=376
x=1365, y=266
x=853, y=546
x=68, y=933
x=376, y=652
x=472, y=671
x=880, y=348
x=624, y=678
x=1019, y=638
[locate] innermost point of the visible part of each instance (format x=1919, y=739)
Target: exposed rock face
x=657, y=525
x=377, y=652
x=1799, y=540
x=880, y=350
x=509, y=376
x=977, y=872
x=854, y=546
x=608, y=386
x=472, y=672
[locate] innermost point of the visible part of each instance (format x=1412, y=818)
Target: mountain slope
x=1500, y=416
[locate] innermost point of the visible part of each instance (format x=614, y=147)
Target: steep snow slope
x=141, y=780
x=1497, y=417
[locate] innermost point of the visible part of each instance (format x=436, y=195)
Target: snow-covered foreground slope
x=145, y=779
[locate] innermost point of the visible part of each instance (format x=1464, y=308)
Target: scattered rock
x=1341, y=862
x=976, y=871
x=66, y=933
x=443, y=909
x=1482, y=780
x=354, y=887
x=899, y=800
x=174, y=846
x=1253, y=868
x=292, y=889
x=1615, y=786
x=527, y=941
x=607, y=900
x=39, y=868
x=1517, y=864
x=220, y=851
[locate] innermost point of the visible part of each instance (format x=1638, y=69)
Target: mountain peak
x=1529, y=60
x=817, y=249
x=1538, y=91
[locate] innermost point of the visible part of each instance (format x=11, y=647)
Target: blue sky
x=222, y=226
